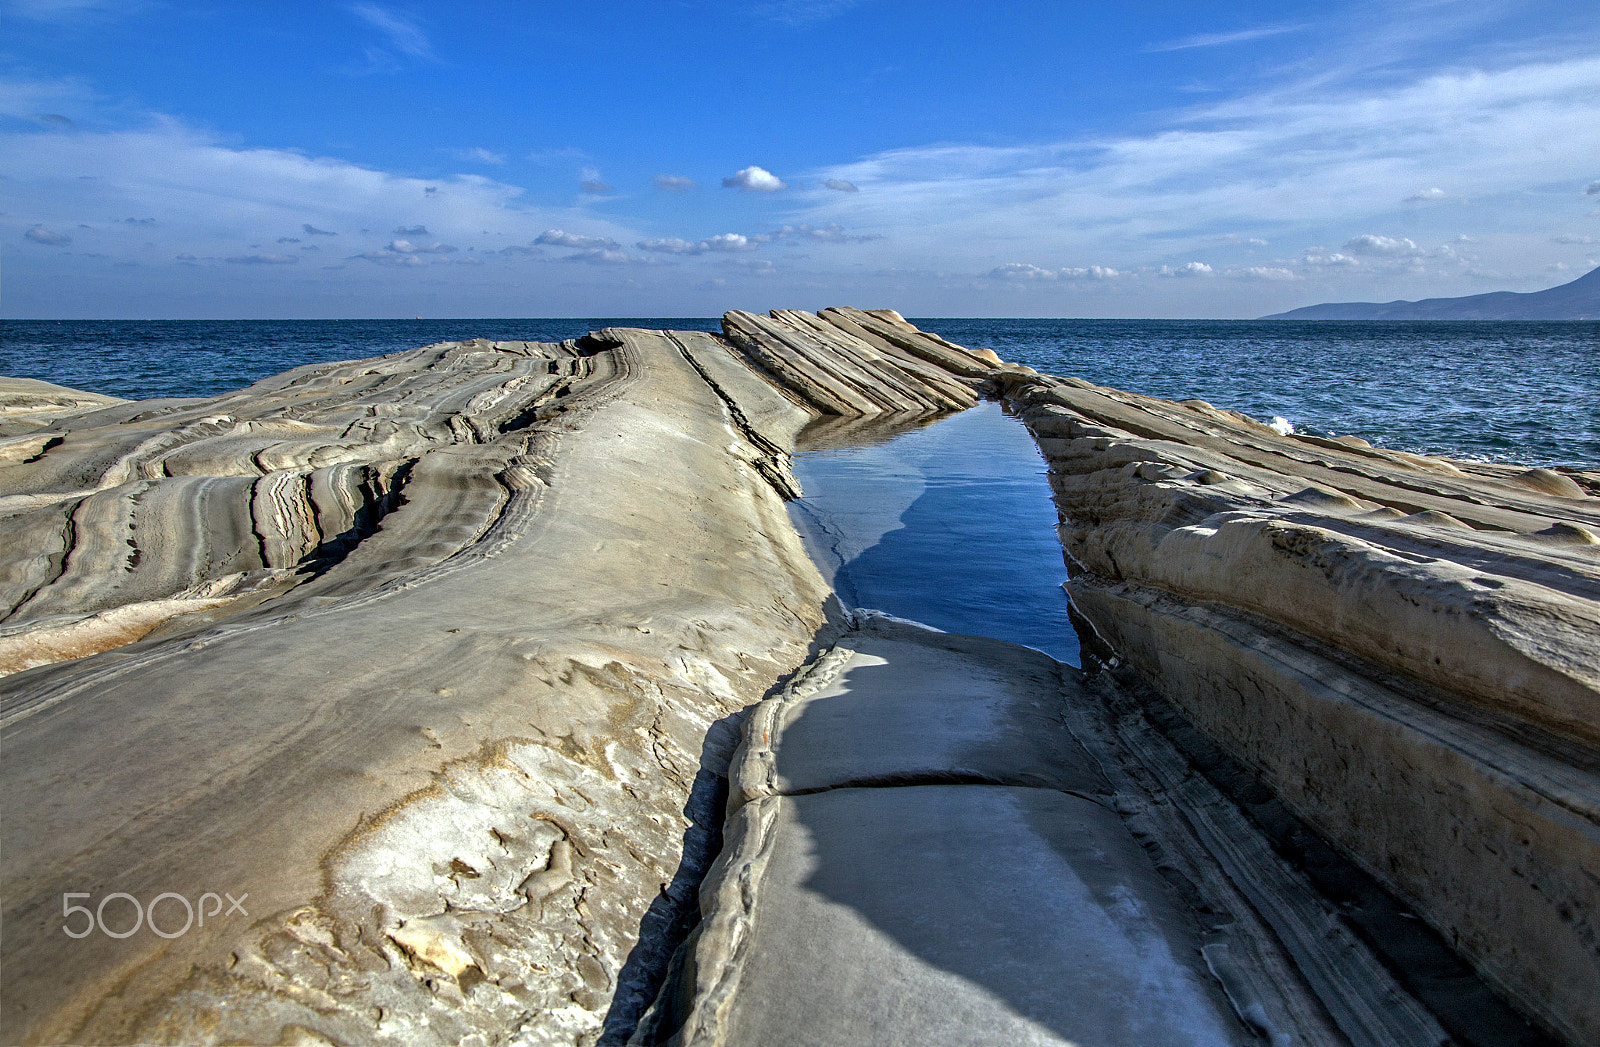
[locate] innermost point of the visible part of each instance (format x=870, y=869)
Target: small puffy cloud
x=840, y=185
x=754, y=179
x=1187, y=269
x=412, y=230
x=405, y=253
x=387, y=257
x=721, y=242
x=139, y=221
x=264, y=259
x=1382, y=246
x=407, y=247
x=1021, y=272
x=311, y=230
x=673, y=183
x=1427, y=194
x=1263, y=272
x=1321, y=258
x=832, y=233
x=50, y=238
x=560, y=238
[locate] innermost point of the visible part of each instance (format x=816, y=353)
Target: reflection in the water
x=949, y=524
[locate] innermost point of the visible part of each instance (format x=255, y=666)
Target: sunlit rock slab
x=958, y=915
x=1405, y=649
x=941, y=838
x=447, y=772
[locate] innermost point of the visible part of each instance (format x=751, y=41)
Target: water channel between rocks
x=949, y=524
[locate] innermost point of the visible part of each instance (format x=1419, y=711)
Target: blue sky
x=166, y=158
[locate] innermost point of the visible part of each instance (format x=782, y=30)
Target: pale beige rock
x=470, y=613
x=945, y=839
x=1407, y=649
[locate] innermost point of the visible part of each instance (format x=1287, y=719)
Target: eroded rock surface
x=1405, y=649
x=433, y=666
x=951, y=839
x=430, y=660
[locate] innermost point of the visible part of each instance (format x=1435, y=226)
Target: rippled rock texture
x=395, y=700
x=428, y=660
x=1405, y=649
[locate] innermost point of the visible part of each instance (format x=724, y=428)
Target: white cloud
x=1264, y=272
x=1022, y=272
x=40, y=235
x=403, y=34
x=479, y=155
x=1187, y=269
x=754, y=179
x=561, y=238
x=1238, y=36
x=1253, y=161
x=1319, y=258
x=840, y=185
x=673, y=183
x=1383, y=246
x=832, y=233
x=722, y=242
x=1427, y=194
x=590, y=182
x=407, y=247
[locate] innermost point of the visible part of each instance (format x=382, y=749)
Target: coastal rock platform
x=951, y=839
x=410, y=700
x=428, y=657
x=1405, y=649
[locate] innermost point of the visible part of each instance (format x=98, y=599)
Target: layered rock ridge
x=428, y=661
x=951, y=839
x=1405, y=649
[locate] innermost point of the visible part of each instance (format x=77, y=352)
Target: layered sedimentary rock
x=427, y=660
x=953, y=840
x=399, y=695
x=1405, y=649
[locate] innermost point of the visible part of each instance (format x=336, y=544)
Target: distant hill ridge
x=1578, y=300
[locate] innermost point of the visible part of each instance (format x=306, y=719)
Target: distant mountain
x=1579, y=300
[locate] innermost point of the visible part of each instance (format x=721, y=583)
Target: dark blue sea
x=1507, y=391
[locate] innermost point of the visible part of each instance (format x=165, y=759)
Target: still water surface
x=950, y=525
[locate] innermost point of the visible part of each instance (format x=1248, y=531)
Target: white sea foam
x=1282, y=425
